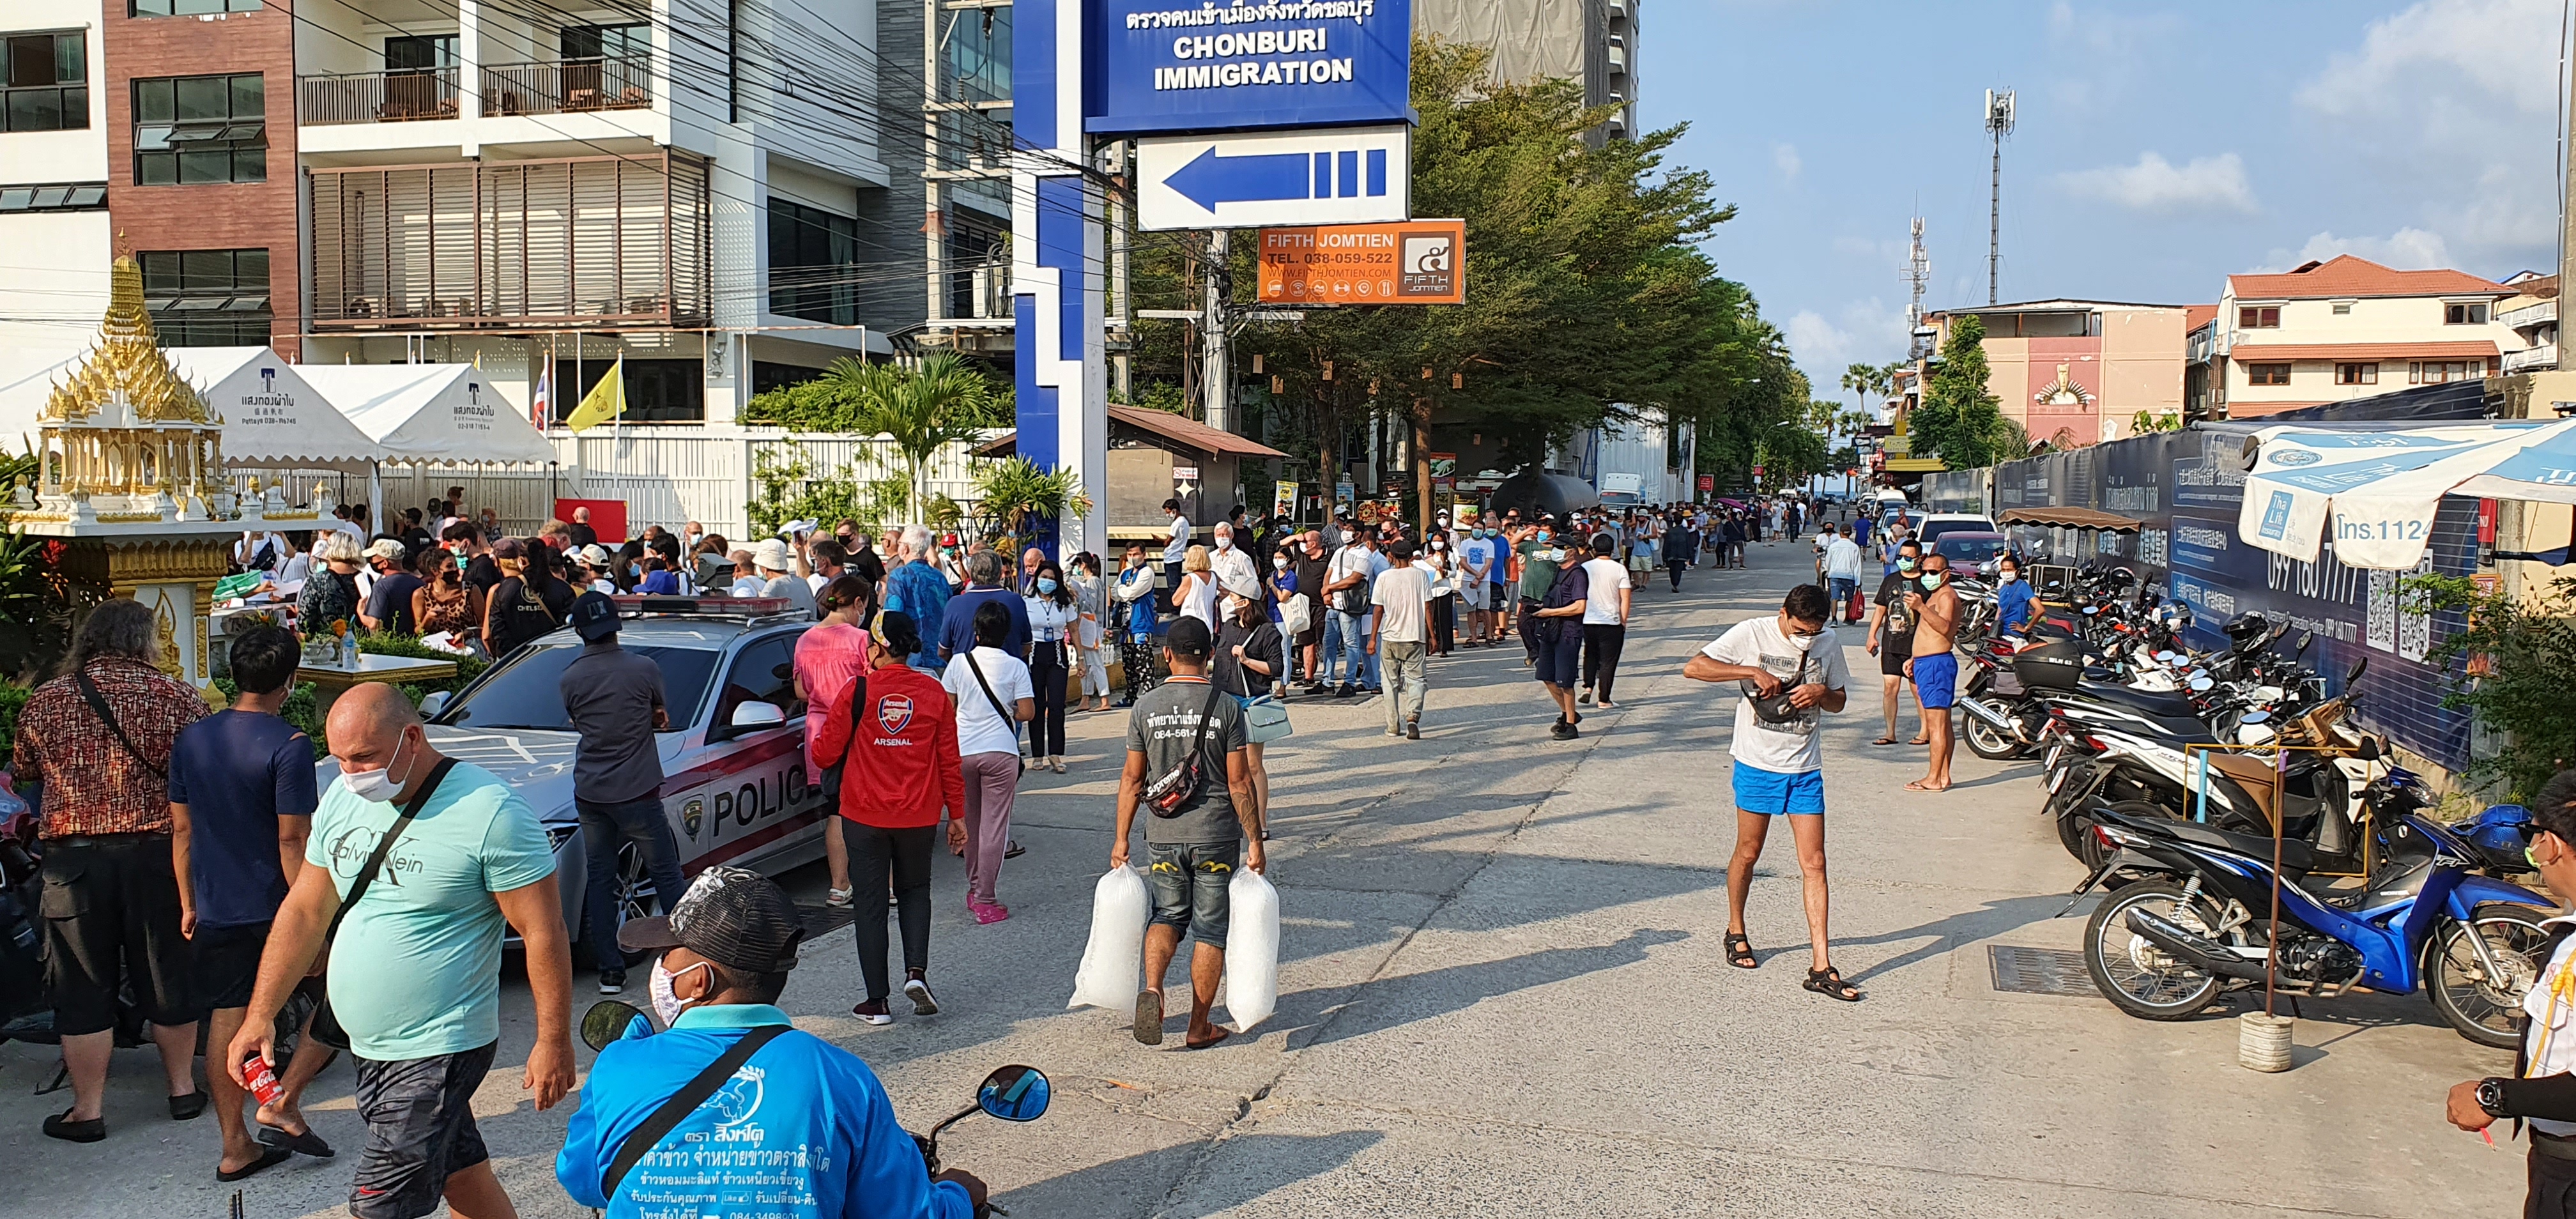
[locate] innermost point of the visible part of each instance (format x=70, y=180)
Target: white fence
x=666, y=475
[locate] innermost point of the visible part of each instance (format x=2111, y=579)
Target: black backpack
x=1573, y=585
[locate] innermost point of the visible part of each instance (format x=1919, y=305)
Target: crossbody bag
x=1173, y=792
x=667, y=1117
x=1008, y=719
x=1777, y=709
x=832, y=770
x=326, y=1027
x=98, y=707
x=1265, y=718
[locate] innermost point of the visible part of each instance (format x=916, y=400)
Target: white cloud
x=1870, y=331
x=1784, y=157
x=2157, y=185
x=2407, y=249
x=2501, y=49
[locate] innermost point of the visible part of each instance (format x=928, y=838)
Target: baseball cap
x=594, y=616
x=734, y=917
x=596, y=556
x=1189, y=637
x=772, y=555
x=509, y=548
x=385, y=548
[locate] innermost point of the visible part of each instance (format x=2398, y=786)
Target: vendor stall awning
x=2068, y=518
x=1188, y=433
x=430, y=412
x=2375, y=492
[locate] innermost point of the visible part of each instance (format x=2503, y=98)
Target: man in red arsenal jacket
x=899, y=769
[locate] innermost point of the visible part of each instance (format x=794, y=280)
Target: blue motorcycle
x=2194, y=922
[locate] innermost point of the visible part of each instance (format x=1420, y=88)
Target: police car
x=733, y=761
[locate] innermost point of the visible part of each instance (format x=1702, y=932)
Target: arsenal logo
x=894, y=712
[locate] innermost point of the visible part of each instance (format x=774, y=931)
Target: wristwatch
x=2491, y=1096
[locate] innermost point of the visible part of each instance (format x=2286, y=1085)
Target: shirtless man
x=1934, y=668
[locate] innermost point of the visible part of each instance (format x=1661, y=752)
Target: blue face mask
x=1046, y=585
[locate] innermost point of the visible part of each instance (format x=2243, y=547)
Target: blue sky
x=2160, y=147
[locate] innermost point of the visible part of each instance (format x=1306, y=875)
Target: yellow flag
x=605, y=401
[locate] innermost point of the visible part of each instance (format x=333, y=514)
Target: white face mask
x=1224, y=543
x=2007, y=576
x=667, y=1002
x=377, y=785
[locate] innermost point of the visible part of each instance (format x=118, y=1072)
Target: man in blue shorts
x=1790, y=669
x=1934, y=668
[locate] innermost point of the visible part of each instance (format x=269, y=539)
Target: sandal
x=1885, y=740
x=270, y=1156
x=1739, y=951
x=1829, y=983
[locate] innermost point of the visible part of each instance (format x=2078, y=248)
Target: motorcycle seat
x=2146, y=702
x=2297, y=858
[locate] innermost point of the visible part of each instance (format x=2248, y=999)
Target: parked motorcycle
x=2195, y=925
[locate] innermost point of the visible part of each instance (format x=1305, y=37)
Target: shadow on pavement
x=1253, y=1165
x=1991, y=919
x=1390, y=1002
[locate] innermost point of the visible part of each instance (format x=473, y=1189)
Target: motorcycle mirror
x=1014, y=1093
x=607, y=1021
x=2305, y=638
x=2357, y=667
x=2201, y=684
x=2256, y=717
x=2369, y=750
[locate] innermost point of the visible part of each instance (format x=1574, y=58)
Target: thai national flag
x=541, y=403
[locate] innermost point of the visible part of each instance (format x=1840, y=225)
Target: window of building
x=2267, y=374
x=2435, y=372
x=2356, y=374
x=208, y=298
x=54, y=197
x=812, y=259
x=190, y=8
x=766, y=376
x=46, y=87
x=2468, y=313
x=657, y=391
x=194, y=129
x=627, y=42
x=414, y=52
x=2343, y=308
x=979, y=55
x=2258, y=317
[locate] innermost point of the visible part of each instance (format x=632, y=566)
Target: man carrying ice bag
x=1186, y=766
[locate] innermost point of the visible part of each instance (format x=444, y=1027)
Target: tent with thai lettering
x=447, y=413
x=2374, y=493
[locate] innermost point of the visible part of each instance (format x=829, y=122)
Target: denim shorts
x=1189, y=880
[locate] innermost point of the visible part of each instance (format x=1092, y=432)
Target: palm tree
x=921, y=410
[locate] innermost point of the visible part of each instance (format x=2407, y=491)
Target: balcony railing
x=568, y=87
x=2531, y=359
x=396, y=96
x=613, y=242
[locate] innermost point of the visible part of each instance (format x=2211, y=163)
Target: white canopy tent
x=2376, y=492
x=445, y=413
x=272, y=417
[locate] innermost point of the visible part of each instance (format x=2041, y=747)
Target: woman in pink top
x=828, y=657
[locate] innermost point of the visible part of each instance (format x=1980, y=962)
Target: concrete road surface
x=1502, y=992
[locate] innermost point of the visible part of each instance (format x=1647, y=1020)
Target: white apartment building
x=2350, y=328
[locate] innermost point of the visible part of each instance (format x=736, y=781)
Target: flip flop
x=1920, y=740
x=270, y=1156
x=1220, y=1034
x=1920, y=785
x=1885, y=740
x=307, y=1143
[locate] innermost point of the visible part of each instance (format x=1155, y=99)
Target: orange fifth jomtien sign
x=1417, y=262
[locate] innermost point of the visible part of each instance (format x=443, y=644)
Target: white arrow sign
x=1348, y=175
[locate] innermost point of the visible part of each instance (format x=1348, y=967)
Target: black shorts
x=1892, y=662
x=227, y=964
x=420, y=1131
x=111, y=911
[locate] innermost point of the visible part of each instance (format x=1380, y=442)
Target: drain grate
x=821, y=921
x=2040, y=971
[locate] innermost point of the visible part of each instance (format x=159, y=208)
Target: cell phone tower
x=1999, y=123
x=1917, y=275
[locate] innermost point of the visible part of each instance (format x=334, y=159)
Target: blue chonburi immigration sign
x=1162, y=65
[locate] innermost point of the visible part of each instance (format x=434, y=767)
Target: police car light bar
x=632, y=606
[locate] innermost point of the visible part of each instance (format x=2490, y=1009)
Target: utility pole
x=1122, y=318
x=1216, y=386
x=1999, y=123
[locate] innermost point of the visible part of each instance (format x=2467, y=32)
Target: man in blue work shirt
x=984, y=578
x=825, y=1139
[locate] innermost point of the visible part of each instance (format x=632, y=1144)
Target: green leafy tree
x=1958, y=419
x=2519, y=675
x=1015, y=495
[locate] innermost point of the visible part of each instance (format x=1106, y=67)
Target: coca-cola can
x=263, y=1082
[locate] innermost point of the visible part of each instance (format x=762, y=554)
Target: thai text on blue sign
x=1160, y=66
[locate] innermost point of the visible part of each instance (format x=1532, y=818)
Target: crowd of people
x=208, y=872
